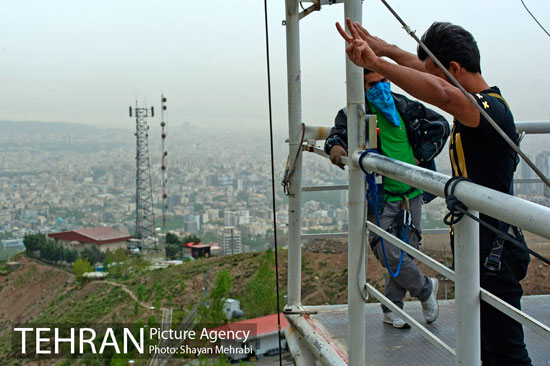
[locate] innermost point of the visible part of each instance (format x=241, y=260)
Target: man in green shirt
x=402, y=203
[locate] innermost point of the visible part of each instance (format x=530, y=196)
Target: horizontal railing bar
x=345, y=234
x=516, y=314
x=529, y=127
x=316, y=132
x=533, y=127
x=432, y=338
x=336, y=187
x=513, y=210
x=528, y=180
x=318, y=151
x=324, y=236
x=430, y=262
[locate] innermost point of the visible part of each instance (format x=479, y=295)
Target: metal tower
x=145, y=220
x=163, y=166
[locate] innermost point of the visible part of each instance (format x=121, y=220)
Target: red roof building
x=104, y=238
x=263, y=336
x=264, y=325
x=196, y=250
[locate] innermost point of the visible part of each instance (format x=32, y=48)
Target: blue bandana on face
x=380, y=96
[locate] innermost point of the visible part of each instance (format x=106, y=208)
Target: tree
x=52, y=252
x=173, y=246
x=172, y=238
x=260, y=295
x=81, y=266
x=190, y=238
x=70, y=255
x=213, y=313
x=34, y=242
x=93, y=255
x=173, y=251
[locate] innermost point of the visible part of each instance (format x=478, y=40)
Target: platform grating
x=386, y=345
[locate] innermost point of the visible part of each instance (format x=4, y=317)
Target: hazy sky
x=86, y=62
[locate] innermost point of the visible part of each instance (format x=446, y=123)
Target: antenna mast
x=145, y=220
x=163, y=166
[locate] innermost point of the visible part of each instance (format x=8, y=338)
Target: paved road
x=274, y=360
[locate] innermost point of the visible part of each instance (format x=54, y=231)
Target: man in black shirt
x=477, y=151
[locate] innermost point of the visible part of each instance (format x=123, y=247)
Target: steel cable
x=273, y=182
x=468, y=96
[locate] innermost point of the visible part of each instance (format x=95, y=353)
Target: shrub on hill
x=260, y=295
x=48, y=249
x=80, y=267
x=212, y=312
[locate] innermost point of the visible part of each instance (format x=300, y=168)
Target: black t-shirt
x=480, y=153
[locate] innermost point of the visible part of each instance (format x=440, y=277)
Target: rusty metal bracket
x=315, y=7
x=298, y=312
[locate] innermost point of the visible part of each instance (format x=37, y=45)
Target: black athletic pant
x=501, y=337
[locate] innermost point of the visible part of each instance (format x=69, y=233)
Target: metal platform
x=386, y=345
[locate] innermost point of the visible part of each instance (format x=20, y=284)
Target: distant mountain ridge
x=62, y=127
x=60, y=135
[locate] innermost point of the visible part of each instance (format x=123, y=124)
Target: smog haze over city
x=72, y=69
x=75, y=62
x=77, y=180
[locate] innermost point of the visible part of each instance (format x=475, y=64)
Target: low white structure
x=263, y=339
x=232, y=309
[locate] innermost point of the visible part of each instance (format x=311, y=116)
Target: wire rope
x=469, y=97
x=273, y=180
x=535, y=19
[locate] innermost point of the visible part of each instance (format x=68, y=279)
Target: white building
x=236, y=218
x=263, y=339
x=12, y=243
x=229, y=240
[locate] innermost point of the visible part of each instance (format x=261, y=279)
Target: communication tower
x=163, y=165
x=145, y=219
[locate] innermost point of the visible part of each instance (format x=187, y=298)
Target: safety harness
x=401, y=223
x=457, y=210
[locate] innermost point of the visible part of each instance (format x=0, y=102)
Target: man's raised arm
x=383, y=49
x=422, y=85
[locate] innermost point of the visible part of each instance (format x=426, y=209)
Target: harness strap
x=498, y=96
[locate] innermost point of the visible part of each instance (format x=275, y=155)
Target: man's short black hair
x=449, y=42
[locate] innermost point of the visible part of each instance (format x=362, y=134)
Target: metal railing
x=516, y=211
x=313, y=133
x=468, y=295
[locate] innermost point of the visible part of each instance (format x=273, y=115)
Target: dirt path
x=129, y=292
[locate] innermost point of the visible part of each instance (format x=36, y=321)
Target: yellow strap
x=498, y=96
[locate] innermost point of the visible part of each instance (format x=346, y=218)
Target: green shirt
x=395, y=145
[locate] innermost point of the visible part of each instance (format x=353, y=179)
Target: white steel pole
x=467, y=292
x=294, y=130
x=356, y=204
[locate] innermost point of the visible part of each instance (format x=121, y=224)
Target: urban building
x=103, y=238
x=263, y=339
x=236, y=218
x=229, y=240
x=196, y=250
x=12, y=243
